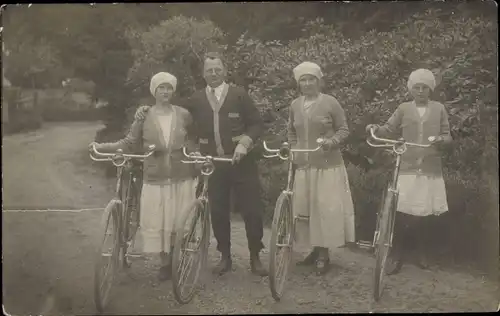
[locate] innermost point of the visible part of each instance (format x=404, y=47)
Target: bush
x=177, y=46
x=21, y=118
x=368, y=76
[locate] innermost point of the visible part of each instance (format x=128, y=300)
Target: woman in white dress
x=422, y=191
x=321, y=186
x=168, y=184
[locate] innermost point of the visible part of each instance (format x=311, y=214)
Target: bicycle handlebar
x=115, y=157
x=207, y=162
x=285, y=149
x=202, y=159
x=392, y=143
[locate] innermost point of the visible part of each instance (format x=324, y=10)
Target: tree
x=177, y=46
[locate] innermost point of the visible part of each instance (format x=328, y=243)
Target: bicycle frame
x=207, y=168
x=201, y=207
x=286, y=153
x=123, y=163
x=398, y=147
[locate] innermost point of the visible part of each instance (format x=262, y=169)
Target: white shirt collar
x=218, y=90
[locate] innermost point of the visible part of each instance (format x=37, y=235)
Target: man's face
x=214, y=72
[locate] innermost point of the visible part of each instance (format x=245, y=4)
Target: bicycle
x=188, y=241
x=384, y=231
x=283, y=227
x=119, y=221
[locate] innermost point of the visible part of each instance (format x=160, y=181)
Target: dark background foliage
x=366, y=51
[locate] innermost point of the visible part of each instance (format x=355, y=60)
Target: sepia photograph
x=250, y=158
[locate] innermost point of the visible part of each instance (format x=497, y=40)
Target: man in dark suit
x=229, y=124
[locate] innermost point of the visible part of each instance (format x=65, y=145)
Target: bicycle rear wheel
x=192, y=238
x=385, y=227
x=281, y=245
x=107, y=254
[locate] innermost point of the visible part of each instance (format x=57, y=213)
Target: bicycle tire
x=111, y=216
x=283, y=217
x=196, y=213
x=385, y=224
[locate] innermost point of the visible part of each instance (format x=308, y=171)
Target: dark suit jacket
x=238, y=117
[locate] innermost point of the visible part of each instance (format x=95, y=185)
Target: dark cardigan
x=238, y=119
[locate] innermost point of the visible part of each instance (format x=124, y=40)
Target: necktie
x=212, y=90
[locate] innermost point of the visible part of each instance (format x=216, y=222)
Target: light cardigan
x=165, y=164
x=326, y=119
x=406, y=122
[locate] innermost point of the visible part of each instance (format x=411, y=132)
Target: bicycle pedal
x=302, y=217
x=130, y=255
x=364, y=245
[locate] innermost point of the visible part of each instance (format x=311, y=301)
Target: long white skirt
x=162, y=207
x=421, y=195
x=323, y=195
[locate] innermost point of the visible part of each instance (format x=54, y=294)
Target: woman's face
x=164, y=92
x=420, y=92
x=309, y=85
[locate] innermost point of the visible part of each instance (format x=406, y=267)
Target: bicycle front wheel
x=281, y=245
x=192, y=238
x=107, y=254
x=385, y=225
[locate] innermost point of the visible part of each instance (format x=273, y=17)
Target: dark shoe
x=322, y=266
x=225, y=265
x=257, y=267
x=394, y=266
x=165, y=273
x=422, y=262
x=310, y=259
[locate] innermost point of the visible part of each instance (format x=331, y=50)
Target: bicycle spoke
x=184, y=275
x=190, y=254
x=281, y=266
x=184, y=266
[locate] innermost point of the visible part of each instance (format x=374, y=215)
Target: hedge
x=368, y=76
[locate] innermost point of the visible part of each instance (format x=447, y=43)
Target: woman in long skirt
x=321, y=186
x=168, y=184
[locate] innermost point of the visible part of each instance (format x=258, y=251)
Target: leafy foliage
x=366, y=66
x=368, y=76
x=177, y=46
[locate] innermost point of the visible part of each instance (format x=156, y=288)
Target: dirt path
x=48, y=257
x=51, y=168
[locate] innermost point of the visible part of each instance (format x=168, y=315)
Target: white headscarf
x=424, y=76
x=307, y=68
x=162, y=77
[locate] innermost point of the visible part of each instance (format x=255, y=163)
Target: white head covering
x=307, y=68
x=162, y=77
x=424, y=76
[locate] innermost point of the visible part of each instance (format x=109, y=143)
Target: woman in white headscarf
x=168, y=184
x=321, y=185
x=421, y=186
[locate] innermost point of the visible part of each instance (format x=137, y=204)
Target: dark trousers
x=410, y=233
x=243, y=179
